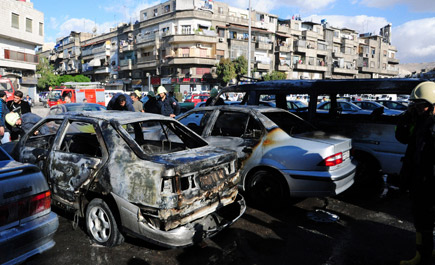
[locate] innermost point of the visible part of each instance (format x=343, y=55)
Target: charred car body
x=280, y=153
x=145, y=174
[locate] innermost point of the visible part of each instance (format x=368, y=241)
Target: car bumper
x=189, y=234
x=320, y=183
x=28, y=239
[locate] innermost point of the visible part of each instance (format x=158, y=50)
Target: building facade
x=21, y=32
x=179, y=43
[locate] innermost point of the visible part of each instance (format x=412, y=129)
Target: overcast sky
x=413, y=21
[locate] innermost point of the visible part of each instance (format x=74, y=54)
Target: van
x=7, y=87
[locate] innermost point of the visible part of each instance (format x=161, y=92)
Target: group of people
x=164, y=104
x=16, y=117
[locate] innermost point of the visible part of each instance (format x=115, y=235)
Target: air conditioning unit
x=221, y=39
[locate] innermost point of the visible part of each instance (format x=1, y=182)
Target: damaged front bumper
x=188, y=234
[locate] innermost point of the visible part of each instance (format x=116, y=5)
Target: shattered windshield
x=162, y=137
x=289, y=123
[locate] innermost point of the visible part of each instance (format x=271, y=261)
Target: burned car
x=281, y=155
x=141, y=174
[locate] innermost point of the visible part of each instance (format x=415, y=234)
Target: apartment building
x=179, y=43
x=21, y=31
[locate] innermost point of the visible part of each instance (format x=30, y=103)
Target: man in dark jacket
x=3, y=111
x=151, y=106
x=18, y=105
x=120, y=102
x=416, y=128
x=22, y=124
x=168, y=105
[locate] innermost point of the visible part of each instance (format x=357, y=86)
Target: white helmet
x=12, y=118
x=161, y=89
x=425, y=91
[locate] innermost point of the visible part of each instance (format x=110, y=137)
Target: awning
x=95, y=63
x=283, y=35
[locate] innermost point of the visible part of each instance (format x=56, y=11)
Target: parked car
x=196, y=98
x=142, y=174
x=395, y=105
x=344, y=107
x=27, y=224
x=372, y=105
x=75, y=107
x=280, y=154
x=296, y=106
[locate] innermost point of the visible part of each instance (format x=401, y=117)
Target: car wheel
x=101, y=225
x=266, y=189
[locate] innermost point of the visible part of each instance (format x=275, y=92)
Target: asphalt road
x=370, y=230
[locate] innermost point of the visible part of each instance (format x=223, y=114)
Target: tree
x=241, y=67
x=225, y=71
x=81, y=78
x=65, y=78
x=47, y=76
x=275, y=75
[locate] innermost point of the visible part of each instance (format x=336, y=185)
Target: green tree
x=65, y=78
x=225, y=71
x=275, y=75
x=47, y=76
x=81, y=78
x=241, y=67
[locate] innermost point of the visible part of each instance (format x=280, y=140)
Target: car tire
x=266, y=189
x=101, y=224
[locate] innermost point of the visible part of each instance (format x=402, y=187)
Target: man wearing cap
x=22, y=124
x=3, y=111
x=168, y=105
x=151, y=106
x=137, y=104
x=416, y=128
x=213, y=94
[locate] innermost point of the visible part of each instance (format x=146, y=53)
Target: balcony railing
x=20, y=56
x=145, y=38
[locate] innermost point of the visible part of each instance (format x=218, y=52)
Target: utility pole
x=249, y=41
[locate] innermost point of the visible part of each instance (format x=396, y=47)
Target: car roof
x=122, y=117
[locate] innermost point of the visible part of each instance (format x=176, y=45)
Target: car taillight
x=24, y=208
x=333, y=160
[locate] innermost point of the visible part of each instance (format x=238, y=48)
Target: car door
x=77, y=156
x=239, y=131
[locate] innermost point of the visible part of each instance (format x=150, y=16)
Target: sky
x=413, y=21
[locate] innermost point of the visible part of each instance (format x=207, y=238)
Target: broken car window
x=230, y=124
x=80, y=138
x=160, y=137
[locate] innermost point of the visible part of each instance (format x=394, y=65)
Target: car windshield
x=54, y=95
x=5, y=86
x=85, y=107
x=160, y=137
x=289, y=123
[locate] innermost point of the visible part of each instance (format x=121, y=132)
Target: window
x=197, y=121
x=155, y=12
x=15, y=21
x=185, y=52
x=28, y=25
x=185, y=29
x=167, y=8
x=236, y=124
x=144, y=16
x=81, y=139
x=41, y=29
x=221, y=10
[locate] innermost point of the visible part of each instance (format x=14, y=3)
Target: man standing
x=18, y=105
x=137, y=104
x=151, y=106
x=3, y=111
x=168, y=105
x=213, y=94
x=416, y=128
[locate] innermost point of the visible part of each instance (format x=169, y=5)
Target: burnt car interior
x=160, y=137
x=237, y=124
x=80, y=138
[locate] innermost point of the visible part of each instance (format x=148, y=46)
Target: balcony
x=191, y=60
x=146, y=62
x=283, y=29
x=284, y=48
x=237, y=20
x=191, y=38
x=262, y=66
x=342, y=70
x=101, y=70
x=310, y=34
x=369, y=69
x=126, y=48
x=317, y=68
x=393, y=60
x=284, y=68
x=20, y=56
x=263, y=46
x=126, y=64
x=142, y=38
